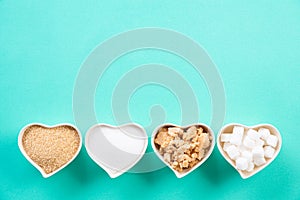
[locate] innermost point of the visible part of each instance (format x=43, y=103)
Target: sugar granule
x=50, y=148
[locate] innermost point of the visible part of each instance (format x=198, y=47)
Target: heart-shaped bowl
x=229, y=129
x=206, y=129
x=55, y=149
x=116, y=149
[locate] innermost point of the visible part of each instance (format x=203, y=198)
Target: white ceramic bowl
x=116, y=149
x=206, y=156
x=20, y=144
x=228, y=129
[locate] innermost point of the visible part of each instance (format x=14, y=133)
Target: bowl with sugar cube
x=249, y=149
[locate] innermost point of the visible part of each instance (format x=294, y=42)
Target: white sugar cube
x=248, y=142
x=250, y=167
x=236, y=139
x=269, y=151
x=242, y=148
x=241, y=163
x=258, y=152
x=272, y=140
x=247, y=154
x=253, y=134
x=226, y=145
x=238, y=130
x=259, y=142
x=237, y=135
x=233, y=152
x=264, y=133
x=225, y=137
x=259, y=161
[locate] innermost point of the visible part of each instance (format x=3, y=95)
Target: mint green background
x=256, y=47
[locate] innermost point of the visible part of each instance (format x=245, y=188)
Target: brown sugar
x=51, y=148
x=182, y=148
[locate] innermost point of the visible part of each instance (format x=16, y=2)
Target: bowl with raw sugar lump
x=249, y=149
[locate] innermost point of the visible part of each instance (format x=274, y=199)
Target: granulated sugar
x=51, y=148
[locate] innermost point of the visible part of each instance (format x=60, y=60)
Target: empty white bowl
x=116, y=149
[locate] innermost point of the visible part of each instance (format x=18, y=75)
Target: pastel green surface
x=255, y=46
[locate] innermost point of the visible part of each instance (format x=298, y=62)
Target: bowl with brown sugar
x=183, y=149
x=49, y=148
